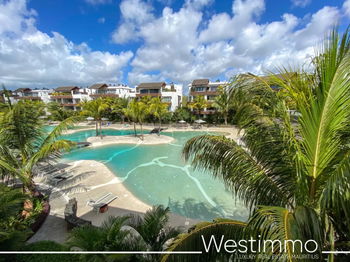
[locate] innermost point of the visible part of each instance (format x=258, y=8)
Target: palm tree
x=118, y=105
x=158, y=109
x=198, y=104
x=223, y=102
x=294, y=174
x=24, y=144
x=126, y=233
x=137, y=111
x=96, y=109
x=58, y=113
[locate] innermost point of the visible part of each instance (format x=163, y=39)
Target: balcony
x=203, y=93
x=61, y=95
x=28, y=98
x=148, y=94
x=69, y=104
x=103, y=95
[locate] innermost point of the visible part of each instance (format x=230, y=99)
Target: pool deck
x=148, y=139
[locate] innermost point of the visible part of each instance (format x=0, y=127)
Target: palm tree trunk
x=225, y=118
x=101, y=129
x=96, y=128
x=141, y=131
x=160, y=124
x=135, y=129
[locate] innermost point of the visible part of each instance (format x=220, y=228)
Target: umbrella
x=182, y=121
x=200, y=121
x=104, y=118
x=90, y=118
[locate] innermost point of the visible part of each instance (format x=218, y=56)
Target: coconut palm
x=159, y=109
x=294, y=174
x=96, y=109
x=137, y=111
x=223, y=102
x=198, y=104
x=24, y=144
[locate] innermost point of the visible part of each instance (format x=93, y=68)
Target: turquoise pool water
x=157, y=174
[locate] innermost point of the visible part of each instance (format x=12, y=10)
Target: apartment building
x=207, y=89
x=169, y=93
x=104, y=90
x=69, y=96
x=32, y=94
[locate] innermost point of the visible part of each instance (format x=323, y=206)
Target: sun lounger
x=104, y=200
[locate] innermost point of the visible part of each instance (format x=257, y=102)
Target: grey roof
x=151, y=85
x=66, y=88
x=98, y=86
x=23, y=90
x=200, y=82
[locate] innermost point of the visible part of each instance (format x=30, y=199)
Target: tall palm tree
x=223, y=102
x=294, y=174
x=24, y=144
x=159, y=109
x=137, y=111
x=96, y=109
x=198, y=104
x=118, y=105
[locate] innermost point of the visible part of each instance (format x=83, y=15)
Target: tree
x=125, y=233
x=96, y=109
x=117, y=106
x=198, y=104
x=58, y=113
x=159, y=109
x=293, y=173
x=223, y=102
x=24, y=144
x=137, y=111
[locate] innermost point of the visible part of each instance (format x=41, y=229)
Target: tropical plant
x=223, y=102
x=198, y=104
x=24, y=144
x=125, y=233
x=117, y=106
x=58, y=113
x=159, y=109
x=12, y=234
x=294, y=174
x=137, y=111
x=95, y=109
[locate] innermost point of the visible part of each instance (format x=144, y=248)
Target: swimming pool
x=157, y=174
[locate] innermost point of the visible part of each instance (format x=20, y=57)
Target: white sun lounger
x=104, y=200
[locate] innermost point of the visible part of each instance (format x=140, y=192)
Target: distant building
x=32, y=94
x=69, y=96
x=207, y=89
x=104, y=90
x=169, y=93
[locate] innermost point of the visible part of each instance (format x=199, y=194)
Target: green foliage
x=46, y=246
x=97, y=110
x=59, y=113
x=292, y=172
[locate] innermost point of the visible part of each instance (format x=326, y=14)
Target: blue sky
x=51, y=43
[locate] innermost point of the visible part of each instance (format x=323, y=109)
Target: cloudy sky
x=81, y=42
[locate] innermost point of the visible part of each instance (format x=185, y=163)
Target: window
x=166, y=99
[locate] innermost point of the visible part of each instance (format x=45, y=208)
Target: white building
x=69, y=96
x=32, y=94
x=169, y=93
x=207, y=89
x=104, y=90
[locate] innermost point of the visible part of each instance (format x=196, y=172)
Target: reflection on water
x=157, y=174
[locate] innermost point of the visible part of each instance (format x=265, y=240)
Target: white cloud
x=346, y=8
x=301, y=3
x=134, y=13
x=32, y=58
x=181, y=45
